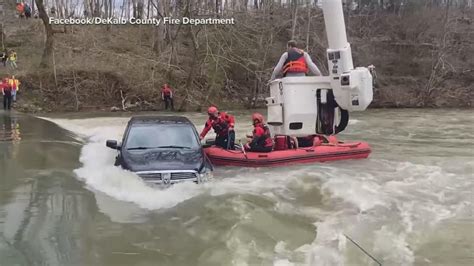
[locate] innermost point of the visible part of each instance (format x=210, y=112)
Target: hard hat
x=212, y=110
x=257, y=117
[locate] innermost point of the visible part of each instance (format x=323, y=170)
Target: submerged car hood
x=159, y=160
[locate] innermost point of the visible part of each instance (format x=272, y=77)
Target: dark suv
x=162, y=150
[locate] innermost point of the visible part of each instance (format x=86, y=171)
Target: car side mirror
x=112, y=144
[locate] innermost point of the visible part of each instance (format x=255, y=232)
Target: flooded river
x=62, y=202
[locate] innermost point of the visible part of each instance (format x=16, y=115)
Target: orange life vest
x=295, y=62
x=166, y=91
x=265, y=139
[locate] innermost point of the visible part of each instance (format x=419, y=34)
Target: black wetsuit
x=4, y=58
x=168, y=102
x=7, y=98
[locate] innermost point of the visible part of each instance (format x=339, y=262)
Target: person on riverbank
x=20, y=8
x=294, y=63
x=15, y=85
x=27, y=11
x=7, y=94
x=3, y=57
x=12, y=57
x=223, y=125
x=261, y=140
x=167, y=96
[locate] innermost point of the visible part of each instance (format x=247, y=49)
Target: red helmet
x=212, y=111
x=257, y=117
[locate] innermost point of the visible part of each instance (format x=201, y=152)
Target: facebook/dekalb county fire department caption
x=136, y=21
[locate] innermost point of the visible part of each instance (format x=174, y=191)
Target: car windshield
x=161, y=136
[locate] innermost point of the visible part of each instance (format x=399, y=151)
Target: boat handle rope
x=243, y=149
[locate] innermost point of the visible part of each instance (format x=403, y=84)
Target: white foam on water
x=388, y=210
x=283, y=262
x=400, y=252
x=353, y=121
x=364, y=196
x=99, y=173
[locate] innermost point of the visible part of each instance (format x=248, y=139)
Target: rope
x=363, y=250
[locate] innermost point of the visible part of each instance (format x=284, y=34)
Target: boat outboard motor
x=327, y=117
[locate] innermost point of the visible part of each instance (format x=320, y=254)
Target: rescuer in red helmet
x=261, y=138
x=223, y=125
x=294, y=62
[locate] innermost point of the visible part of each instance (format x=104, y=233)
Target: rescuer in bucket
x=261, y=138
x=223, y=125
x=294, y=63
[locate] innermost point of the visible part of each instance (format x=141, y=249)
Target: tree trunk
x=308, y=29
x=58, y=8
x=160, y=32
x=106, y=8
x=295, y=16
x=122, y=8
x=135, y=8
x=148, y=9
x=48, y=48
x=2, y=37
x=140, y=8
x=87, y=11
x=32, y=6
x=194, y=63
x=97, y=9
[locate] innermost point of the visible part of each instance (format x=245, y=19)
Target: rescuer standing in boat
x=223, y=125
x=294, y=63
x=261, y=137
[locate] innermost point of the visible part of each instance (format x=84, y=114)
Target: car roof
x=162, y=119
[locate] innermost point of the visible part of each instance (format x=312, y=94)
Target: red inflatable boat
x=320, y=153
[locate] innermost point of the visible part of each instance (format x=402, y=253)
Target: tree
x=49, y=44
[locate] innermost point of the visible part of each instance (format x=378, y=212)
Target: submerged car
x=162, y=150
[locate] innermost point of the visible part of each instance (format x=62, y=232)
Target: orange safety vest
x=295, y=62
x=166, y=91
x=265, y=139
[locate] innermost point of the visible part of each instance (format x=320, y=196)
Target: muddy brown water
x=63, y=203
